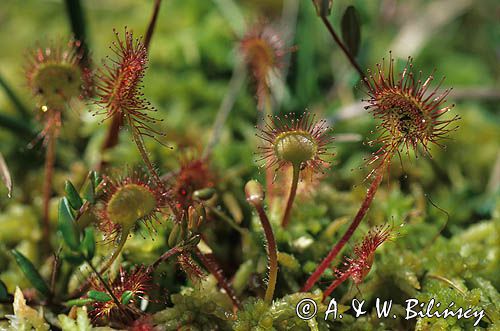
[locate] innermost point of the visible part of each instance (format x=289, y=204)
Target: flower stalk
x=291, y=197
x=370, y=194
x=255, y=197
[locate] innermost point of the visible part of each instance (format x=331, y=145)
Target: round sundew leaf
x=130, y=203
x=57, y=83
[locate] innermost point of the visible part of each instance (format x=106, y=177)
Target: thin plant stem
x=55, y=268
x=334, y=285
x=339, y=42
x=136, y=136
x=117, y=251
x=214, y=269
x=237, y=79
x=50, y=156
x=370, y=194
x=112, y=136
x=266, y=110
x=291, y=197
x=165, y=256
x=272, y=252
x=152, y=24
x=228, y=220
x=108, y=289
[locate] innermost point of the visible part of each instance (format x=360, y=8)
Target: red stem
x=291, y=197
x=342, y=46
x=335, y=284
x=370, y=194
x=272, y=253
x=152, y=23
x=111, y=137
x=214, y=269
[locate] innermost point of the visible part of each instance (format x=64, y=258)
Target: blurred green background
x=192, y=56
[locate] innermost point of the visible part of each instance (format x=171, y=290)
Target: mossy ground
x=447, y=208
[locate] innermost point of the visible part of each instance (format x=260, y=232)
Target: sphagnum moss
x=206, y=240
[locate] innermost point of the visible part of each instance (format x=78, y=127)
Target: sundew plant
x=249, y=165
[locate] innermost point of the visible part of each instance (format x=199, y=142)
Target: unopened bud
x=323, y=7
x=204, y=194
x=254, y=193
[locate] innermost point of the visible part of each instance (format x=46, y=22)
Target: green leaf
x=20, y=107
x=79, y=302
x=73, y=196
x=17, y=126
x=5, y=175
x=74, y=259
x=87, y=247
x=31, y=273
x=4, y=294
x=95, y=178
x=99, y=296
x=76, y=17
x=351, y=30
x=126, y=297
x=67, y=225
x=89, y=190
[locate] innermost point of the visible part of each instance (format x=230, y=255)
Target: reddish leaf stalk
x=342, y=46
x=211, y=265
x=334, y=285
x=111, y=137
x=165, y=256
x=152, y=24
x=370, y=194
x=291, y=197
x=272, y=253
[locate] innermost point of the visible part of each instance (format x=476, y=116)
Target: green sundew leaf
x=351, y=30
x=67, y=225
x=4, y=294
x=87, y=247
x=31, y=273
x=99, y=296
x=126, y=297
x=323, y=7
x=5, y=175
x=72, y=195
x=79, y=302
